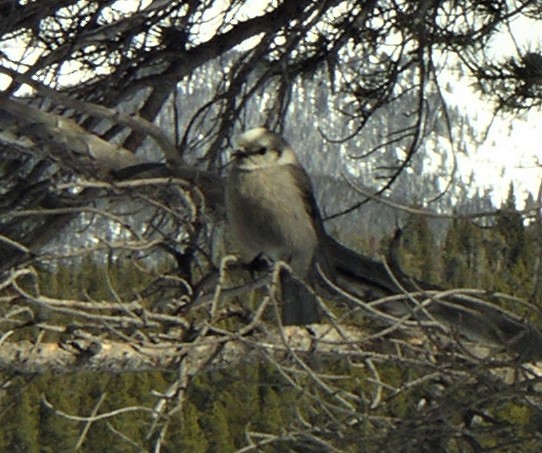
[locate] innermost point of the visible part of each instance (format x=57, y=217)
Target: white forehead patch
x=260, y=137
x=252, y=136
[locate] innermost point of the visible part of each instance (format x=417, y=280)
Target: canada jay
x=272, y=214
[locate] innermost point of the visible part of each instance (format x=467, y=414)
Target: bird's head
x=260, y=148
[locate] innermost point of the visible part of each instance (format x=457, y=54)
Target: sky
x=514, y=156
x=512, y=150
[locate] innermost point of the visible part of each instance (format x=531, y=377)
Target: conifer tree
x=510, y=226
x=191, y=437
x=419, y=249
x=219, y=430
x=57, y=433
x=20, y=425
x=455, y=269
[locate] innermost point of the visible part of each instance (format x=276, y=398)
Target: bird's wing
x=304, y=185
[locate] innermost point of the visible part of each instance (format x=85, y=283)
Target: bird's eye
x=262, y=150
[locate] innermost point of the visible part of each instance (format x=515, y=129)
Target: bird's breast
x=267, y=215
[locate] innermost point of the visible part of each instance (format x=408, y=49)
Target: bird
x=272, y=214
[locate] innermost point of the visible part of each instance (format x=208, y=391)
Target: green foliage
x=510, y=227
x=418, y=249
x=192, y=436
x=57, y=433
x=219, y=429
x=19, y=423
x=463, y=255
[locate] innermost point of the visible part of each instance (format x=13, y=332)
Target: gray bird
x=272, y=213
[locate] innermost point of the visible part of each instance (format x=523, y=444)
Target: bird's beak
x=239, y=153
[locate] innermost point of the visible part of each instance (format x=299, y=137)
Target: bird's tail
x=299, y=303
